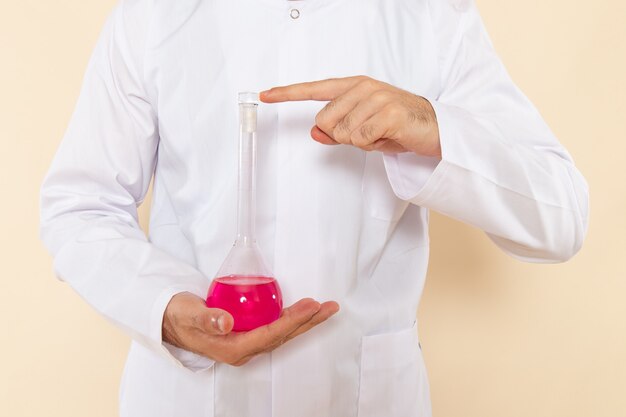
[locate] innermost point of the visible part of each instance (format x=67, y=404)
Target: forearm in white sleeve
x=98, y=177
x=502, y=170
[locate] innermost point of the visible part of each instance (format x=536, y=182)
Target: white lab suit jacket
x=334, y=222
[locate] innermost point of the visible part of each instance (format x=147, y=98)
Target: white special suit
x=334, y=222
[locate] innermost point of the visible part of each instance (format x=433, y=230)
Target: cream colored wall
x=501, y=338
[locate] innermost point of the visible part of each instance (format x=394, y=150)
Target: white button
x=294, y=13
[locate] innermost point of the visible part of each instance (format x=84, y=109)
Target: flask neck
x=246, y=207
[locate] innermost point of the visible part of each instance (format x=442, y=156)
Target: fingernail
x=218, y=323
x=221, y=325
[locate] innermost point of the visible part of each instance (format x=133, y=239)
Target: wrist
x=170, y=322
x=430, y=143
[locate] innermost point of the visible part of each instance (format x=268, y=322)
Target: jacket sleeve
x=99, y=175
x=502, y=170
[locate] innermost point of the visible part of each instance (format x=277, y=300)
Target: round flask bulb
x=253, y=301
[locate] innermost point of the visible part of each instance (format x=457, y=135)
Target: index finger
x=323, y=90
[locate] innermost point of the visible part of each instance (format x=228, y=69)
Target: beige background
x=501, y=338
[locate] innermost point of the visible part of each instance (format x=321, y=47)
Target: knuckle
x=369, y=83
x=366, y=133
x=361, y=81
x=380, y=96
x=344, y=124
x=319, y=118
x=341, y=135
x=393, y=112
x=357, y=139
x=330, y=106
x=372, y=83
x=322, y=120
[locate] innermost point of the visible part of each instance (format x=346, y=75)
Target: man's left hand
x=366, y=113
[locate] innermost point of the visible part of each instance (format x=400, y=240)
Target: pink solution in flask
x=244, y=286
x=253, y=301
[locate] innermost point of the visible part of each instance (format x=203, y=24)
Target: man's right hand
x=189, y=324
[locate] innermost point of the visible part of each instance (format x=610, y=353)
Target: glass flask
x=244, y=285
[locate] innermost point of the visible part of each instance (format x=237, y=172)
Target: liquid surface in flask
x=253, y=301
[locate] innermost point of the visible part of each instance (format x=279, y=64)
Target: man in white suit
x=426, y=118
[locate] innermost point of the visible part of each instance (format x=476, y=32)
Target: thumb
x=320, y=136
x=215, y=321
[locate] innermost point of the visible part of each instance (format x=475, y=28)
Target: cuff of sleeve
x=181, y=357
x=409, y=173
x=189, y=360
x=415, y=178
